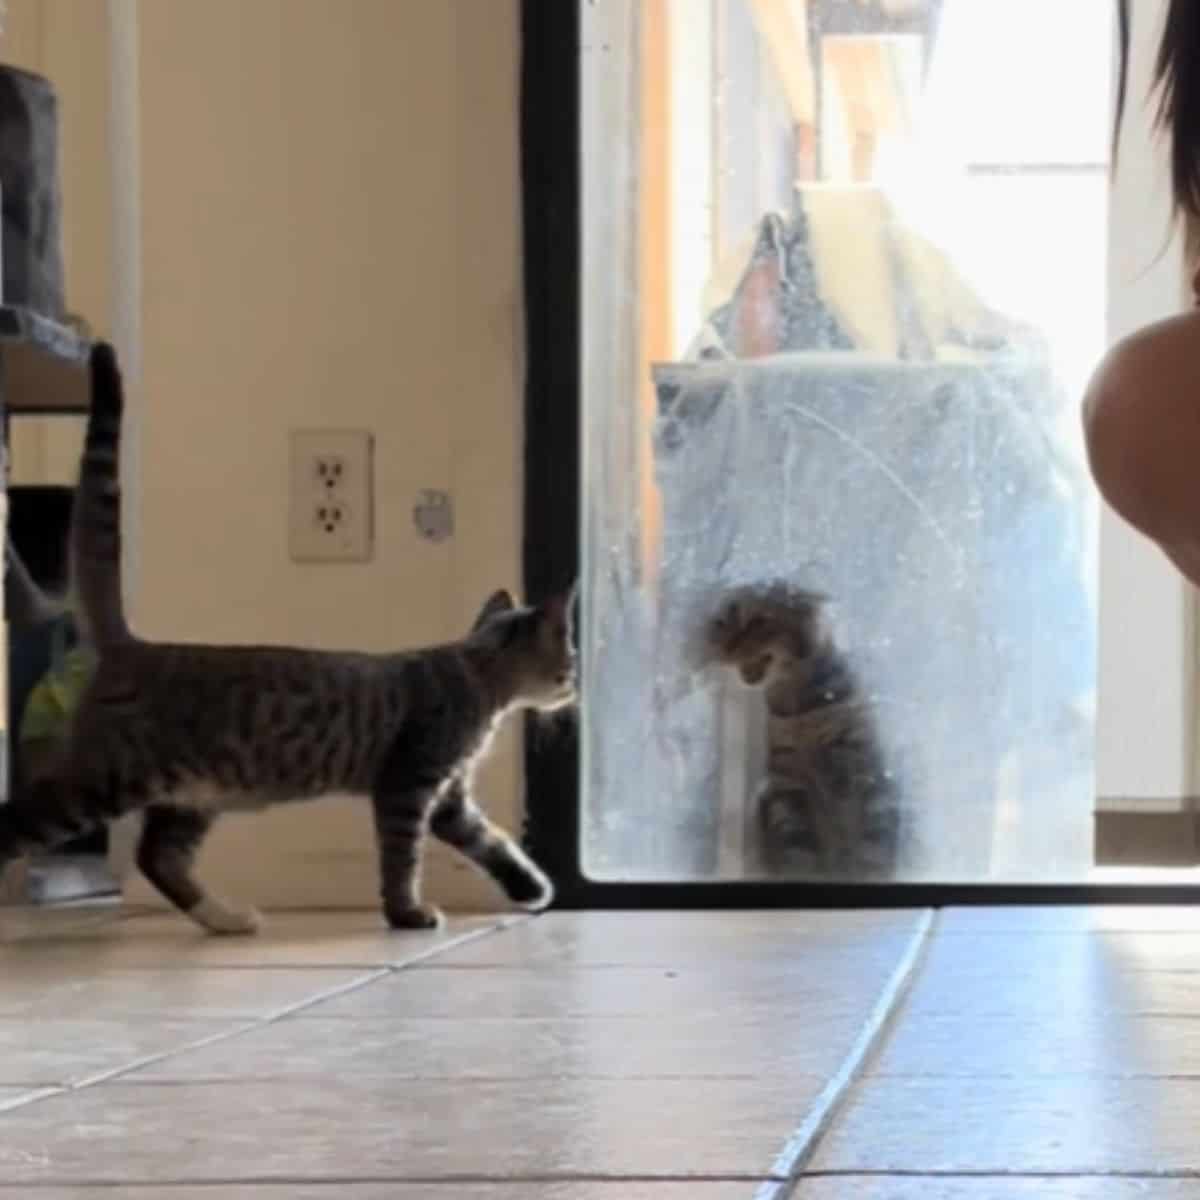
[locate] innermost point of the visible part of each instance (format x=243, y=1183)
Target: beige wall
x=329, y=216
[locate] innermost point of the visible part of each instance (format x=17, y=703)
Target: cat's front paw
x=414, y=916
x=525, y=885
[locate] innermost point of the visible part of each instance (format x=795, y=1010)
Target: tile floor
x=965, y=1055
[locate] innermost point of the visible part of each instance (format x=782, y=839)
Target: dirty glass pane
x=842, y=285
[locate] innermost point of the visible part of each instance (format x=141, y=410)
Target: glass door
x=844, y=269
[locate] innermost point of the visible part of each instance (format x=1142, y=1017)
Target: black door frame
x=550, y=178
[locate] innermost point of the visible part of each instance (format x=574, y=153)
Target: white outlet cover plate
x=331, y=502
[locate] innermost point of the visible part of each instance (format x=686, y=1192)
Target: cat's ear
x=498, y=602
x=559, y=610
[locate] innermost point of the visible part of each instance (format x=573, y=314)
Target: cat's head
x=759, y=632
x=686, y=407
x=534, y=645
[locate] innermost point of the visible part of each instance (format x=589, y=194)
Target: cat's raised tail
x=96, y=518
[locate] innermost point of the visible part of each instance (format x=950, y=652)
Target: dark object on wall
x=30, y=194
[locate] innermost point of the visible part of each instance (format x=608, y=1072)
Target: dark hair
x=1122, y=71
x=1177, y=82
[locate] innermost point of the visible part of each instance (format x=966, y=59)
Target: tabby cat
x=186, y=732
x=827, y=806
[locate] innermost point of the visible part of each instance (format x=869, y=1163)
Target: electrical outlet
x=332, y=501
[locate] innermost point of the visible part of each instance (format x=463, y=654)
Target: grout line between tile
x=153, y=1187
x=450, y=1180
x=799, y=1148
x=28, y=1098
x=471, y=935
x=126, y=915
x=311, y=1080
x=148, y=1060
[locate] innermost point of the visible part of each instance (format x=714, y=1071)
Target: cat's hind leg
x=166, y=855
x=458, y=821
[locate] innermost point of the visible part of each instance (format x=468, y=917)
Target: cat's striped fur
x=828, y=805
x=185, y=732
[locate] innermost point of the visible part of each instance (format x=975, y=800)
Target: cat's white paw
x=224, y=919
x=543, y=893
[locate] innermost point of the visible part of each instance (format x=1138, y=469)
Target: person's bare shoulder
x=1141, y=421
